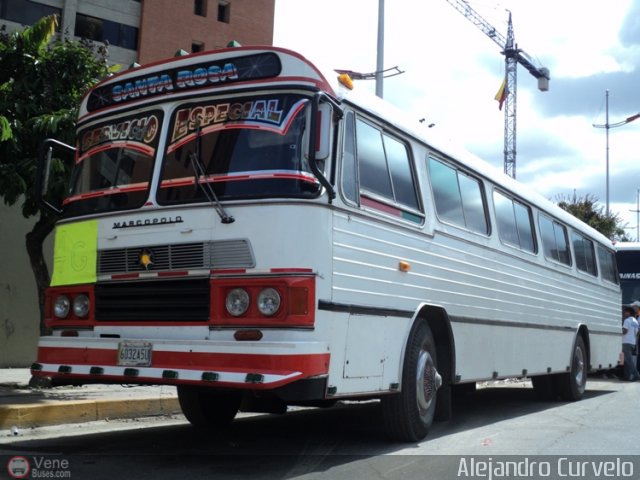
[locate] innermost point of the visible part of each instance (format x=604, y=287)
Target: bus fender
x=438, y=320
x=582, y=331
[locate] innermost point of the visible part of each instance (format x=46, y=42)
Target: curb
x=62, y=412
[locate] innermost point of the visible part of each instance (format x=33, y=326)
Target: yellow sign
x=75, y=253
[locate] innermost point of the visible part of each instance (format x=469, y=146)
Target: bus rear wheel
x=571, y=385
x=409, y=414
x=208, y=408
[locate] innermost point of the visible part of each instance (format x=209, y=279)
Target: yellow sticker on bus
x=75, y=253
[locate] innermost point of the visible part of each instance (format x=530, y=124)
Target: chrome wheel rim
x=427, y=383
x=579, y=374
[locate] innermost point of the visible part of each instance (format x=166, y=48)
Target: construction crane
x=512, y=56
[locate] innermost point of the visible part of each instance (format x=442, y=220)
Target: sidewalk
x=23, y=406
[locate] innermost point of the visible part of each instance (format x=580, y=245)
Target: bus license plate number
x=134, y=354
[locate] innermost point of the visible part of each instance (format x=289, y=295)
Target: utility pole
x=607, y=126
x=637, y=212
x=380, y=54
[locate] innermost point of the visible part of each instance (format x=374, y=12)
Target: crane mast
x=512, y=57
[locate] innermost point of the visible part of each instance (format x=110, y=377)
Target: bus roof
x=627, y=246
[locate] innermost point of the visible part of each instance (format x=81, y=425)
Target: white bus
x=628, y=260
x=262, y=235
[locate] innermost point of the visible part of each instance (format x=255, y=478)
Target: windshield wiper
x=205, y=186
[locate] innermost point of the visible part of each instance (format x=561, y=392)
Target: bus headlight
x=81, y=306
x=269, y=302
x=61, y=306
x=237, y=302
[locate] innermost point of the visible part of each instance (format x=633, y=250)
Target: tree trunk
x=34, y=241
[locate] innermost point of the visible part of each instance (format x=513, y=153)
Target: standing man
x=629, y=335
x=636, y=313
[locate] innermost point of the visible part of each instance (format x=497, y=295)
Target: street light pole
x=380, y=52
x=637, y=212
x=607, y=126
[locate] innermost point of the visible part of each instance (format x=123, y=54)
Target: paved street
x=347, y=442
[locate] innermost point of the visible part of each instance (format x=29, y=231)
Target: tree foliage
x=591, y=212
x=41, y=85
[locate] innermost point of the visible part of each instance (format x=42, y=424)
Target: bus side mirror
x=320, y=131
x=51, y=182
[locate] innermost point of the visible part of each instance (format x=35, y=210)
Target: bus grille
x=160, y=300
x=220, y=254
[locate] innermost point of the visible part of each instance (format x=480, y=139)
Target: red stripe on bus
x=383, y=207
x=124, y=276
x=291, y=270
x=309, y=364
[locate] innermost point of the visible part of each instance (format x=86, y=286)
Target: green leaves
x=5, y=129
x=41, y=86
x=590, y=212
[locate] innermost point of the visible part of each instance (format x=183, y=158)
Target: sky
x=453, y=72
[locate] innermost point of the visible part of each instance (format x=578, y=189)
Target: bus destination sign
x=224, y=71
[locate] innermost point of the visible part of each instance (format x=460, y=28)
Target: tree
x=587, y=209
x=41, y=85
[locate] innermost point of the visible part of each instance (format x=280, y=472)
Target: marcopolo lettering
x=148, y=222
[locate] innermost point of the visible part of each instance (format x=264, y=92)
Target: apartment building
x=144, y=31
x=140, y=31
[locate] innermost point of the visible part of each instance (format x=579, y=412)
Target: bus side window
x=384, y=171
x=584, y=254
x=349, y=166
x=459, y=198
x=554, y=240
x=401, y=176
x=608, y=266
x=514, y=222
x=372, y=163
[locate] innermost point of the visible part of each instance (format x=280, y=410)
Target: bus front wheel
x=409, y=414
x=207, y=408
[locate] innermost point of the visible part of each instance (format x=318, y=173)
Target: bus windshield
x=250, y=147
x=114, y=165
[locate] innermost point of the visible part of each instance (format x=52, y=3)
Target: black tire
x=408, y=415
x=208, y=408
x=571, y=385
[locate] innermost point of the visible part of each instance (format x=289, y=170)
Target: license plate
x=134, y=354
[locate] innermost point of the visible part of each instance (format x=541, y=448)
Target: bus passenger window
x=608, y=267
x=374, y=175
x=514, y=222
x=554, y=240
x=505, y=218
x=473, y=205
x=401, y=175
x=446, y=192
x=458, y=198
x=584, y=253
x=384, y=170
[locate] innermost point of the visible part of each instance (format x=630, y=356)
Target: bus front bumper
x=249, y=365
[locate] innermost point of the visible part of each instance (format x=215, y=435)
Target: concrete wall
x=19, y=314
